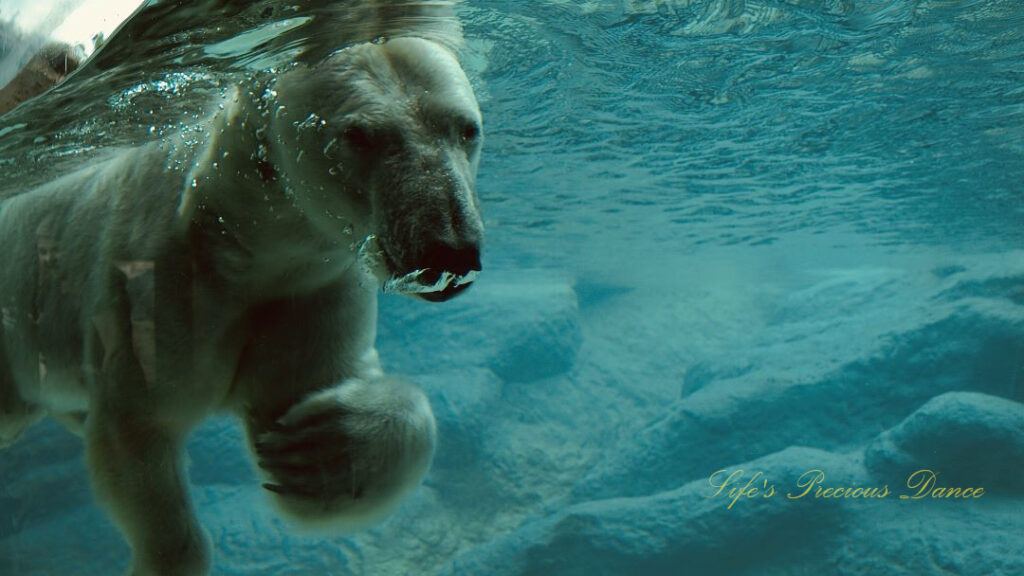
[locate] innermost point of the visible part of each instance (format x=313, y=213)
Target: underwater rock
x=973, y=348
x=701, y=374
x=686, y=527
x=913, y=538
x=42, y=476
x=98, y=550
x=462, y=403
x=967, y=439
x=523, y=328
x=218, y=453
x=253, y=539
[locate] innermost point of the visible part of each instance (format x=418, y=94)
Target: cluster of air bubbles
x=262, y=153
x=370, y=259
x=266, y=99
x=170, y=86
x=311, y=121
x=175, y=165
x=55, y=153
x=68, y=142
x=190, y=135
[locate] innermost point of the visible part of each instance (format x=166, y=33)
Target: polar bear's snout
x=434, y=252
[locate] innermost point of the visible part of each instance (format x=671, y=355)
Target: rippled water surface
x=740, y=122
x=714, y=122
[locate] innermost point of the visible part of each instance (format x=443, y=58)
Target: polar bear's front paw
x=345, y=456
x=312, y=461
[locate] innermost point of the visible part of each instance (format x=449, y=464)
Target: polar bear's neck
x=238, y=207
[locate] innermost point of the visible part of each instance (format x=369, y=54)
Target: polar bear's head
x=382, y=141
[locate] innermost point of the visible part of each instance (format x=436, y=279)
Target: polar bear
x=173, y=280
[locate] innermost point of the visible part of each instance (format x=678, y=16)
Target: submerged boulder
x=966, y=439
x=693, y=527
x=522, y=327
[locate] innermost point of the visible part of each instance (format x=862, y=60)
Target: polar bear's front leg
x=345, y=456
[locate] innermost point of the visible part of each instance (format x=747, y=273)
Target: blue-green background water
x=765, y=235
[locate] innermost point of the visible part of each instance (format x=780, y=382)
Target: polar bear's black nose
x=440, y=257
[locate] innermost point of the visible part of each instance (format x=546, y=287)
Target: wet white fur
x=186, y=284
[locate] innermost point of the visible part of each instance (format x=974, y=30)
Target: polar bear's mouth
x=427, y=283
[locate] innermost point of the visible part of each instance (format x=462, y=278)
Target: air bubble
x=311, y=121
x=331, y=144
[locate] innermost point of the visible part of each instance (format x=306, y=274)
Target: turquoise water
x=775, y=235
x=743, y=122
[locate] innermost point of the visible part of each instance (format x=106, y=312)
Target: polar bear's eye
x=469, y=132
x=358, y=138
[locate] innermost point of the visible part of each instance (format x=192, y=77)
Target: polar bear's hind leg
x=15, y=413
